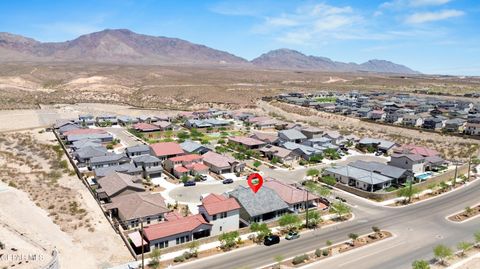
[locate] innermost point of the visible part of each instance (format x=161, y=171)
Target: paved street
x=417, y=228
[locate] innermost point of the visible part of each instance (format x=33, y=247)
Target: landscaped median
x=467, y=214
x=354, y=242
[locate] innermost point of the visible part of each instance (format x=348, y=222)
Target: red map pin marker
x=255, y=181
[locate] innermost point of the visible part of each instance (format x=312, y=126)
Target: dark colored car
x=271, y=240
x=227, y=181
x=341, y=199
x=378, y=153
x=292, y=235
x=189, y=183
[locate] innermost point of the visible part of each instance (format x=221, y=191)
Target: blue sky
x=432, y=36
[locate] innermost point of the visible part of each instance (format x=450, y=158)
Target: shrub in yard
x=300, y=259
x=187, y=255
x=325, y=252
x=179, y=259
x=318, y=252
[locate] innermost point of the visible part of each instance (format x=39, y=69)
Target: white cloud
x=423, y=17
x=399, y=4
x=310, y=22
x=419, y=3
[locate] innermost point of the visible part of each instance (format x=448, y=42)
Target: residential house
x=176, y=231
x=378, y=144
x=282, y=155
x=433, y=123
x=398, y=175
x=263, y=205
x=454, y=125
x=185, y=165
x=106, y=120
x=414, y=149
x=335, y=137
x=221, y=164
x=103, y=137
x=137, y=150
x=377, y=115
x=220, y=211
x=312, y=132
x=297, y=198
x=86, y=120
x=291, y=135
x=145, y=127
x=412, y=162
x=84, y=154
x=126, y=168
x=302, y=151
x=150, y=166
x=364, y=112
x=472, y=128
x=247, y=142
x=206, y=123
x=412, y=120
x=269, y=138
x=194, y=147
x=165, y=150
x=117, y=184
x=107, y=160
x=126, y=120
x=164, y=125
x=136, y=207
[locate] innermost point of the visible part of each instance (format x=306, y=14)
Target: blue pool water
x=424, y=176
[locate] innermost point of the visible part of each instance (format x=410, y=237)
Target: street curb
x=463, y=221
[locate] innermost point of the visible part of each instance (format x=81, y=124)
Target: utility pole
x=410, y=180
x=141, y=238
x=469, y=167
x=455, y=177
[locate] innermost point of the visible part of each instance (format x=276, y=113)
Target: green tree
x=420, y=264
x=408, y=191
x=463, y=247
x=331, y=154
x=261, y=229
x=317, y=189
x=317, y=158
x=442, y=252
x=476, y=236
x=329, y=243
x=340, y=208
x=468, y=210
x=313, y=172
x=329, y=180
x=184, y=178
x=193, y=248
x=275, y=160
x=313, y=218
x=228, y=240
x=354, y=237
x=290, y=221
x=155, y=258
x=257, y=164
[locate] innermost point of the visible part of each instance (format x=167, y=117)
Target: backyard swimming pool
x=424, y=176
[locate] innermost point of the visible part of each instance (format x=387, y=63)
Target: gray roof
x=413, y=157
x=115, y=182
x=146, y=159
x=304, y=149
x=138, y=148
x=190, y=146
x=128, y=168
x=90, y=152
x=138, y=205
x=264, y=201
x=359, y=174
x=68, y=127
x=292, y=134
x=108, y=158
x=86, y=142
x=380, y=168
x=77, y=137
x=382, y=144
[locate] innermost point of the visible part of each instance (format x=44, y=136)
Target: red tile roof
x=413, y=149
x=214, y=204
x=200, y=167
x=181, y=169
x=173, y=227
x=172, y=216
x=186, y=158
x=85, y=131
x=142, y=126
x=246, y=141
x=289, y=193
x=218, y=160
x=166, y=149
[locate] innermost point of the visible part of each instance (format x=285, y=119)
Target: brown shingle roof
x=138, y=205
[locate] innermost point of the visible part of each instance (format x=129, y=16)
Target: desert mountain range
x=122, y=46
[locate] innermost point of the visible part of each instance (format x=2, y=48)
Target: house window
x=214, y=217
x=221, y=228
x=148, y=220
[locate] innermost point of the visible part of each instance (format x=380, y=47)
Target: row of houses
x=226, y=212
x=447, y=115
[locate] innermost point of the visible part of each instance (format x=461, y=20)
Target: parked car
x=203, y=177
x=341, y=199
x=227, y=181
x=292, y=235
x=189, y=183
x=271, y=240
x=378, y=153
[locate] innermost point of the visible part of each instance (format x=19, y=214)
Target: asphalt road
x=417, y=229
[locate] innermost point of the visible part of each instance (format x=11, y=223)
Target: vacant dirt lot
x=51, y=205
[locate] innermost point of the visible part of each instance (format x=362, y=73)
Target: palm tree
x=340, y=208
x=155, y=258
